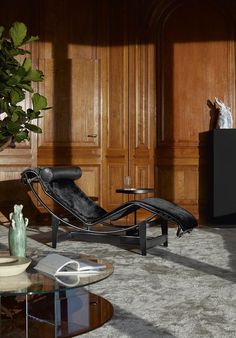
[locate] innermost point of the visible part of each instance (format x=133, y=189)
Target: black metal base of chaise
x=135, y=237
x=58, y=183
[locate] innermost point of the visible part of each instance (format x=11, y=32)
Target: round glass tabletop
x=135, y=190
x=32, y=282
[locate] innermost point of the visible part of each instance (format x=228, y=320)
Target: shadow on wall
x=205, y=166
x=14, y=192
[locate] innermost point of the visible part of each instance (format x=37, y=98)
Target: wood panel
x=89, y=181
x=68, y=55
x=196, y=63
x=74, y=119
x=116, y=135
x=115, y=179
x=206, y=72
x=142, y=114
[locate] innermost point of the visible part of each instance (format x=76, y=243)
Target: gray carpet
x=187, y=290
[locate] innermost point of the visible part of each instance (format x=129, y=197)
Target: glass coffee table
x=34, y=305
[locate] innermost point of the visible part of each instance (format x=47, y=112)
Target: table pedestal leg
x=67, y=313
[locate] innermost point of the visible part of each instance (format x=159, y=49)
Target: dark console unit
x=223, y=170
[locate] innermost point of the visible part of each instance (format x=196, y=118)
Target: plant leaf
x=31, y=115
x=2, y=136
x=21, y=51
x=31, y=39
x=16, y=76
x=34, y=75
x=18, y=33
x=26, y=87
x=14, y=117
x=17, y=95
x=1, y=30
x=14, y=80
x=21, y=136
x=33, y=128
x=47, y=108
x=3, y=106
x=13, y=127
x=39, y=102
x=27, y=64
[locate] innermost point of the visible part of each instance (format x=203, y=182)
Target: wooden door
x=71, y=60
x=130, y=136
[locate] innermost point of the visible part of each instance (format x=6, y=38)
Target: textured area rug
x=187, y=290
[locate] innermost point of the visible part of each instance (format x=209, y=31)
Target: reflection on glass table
x=36, y=305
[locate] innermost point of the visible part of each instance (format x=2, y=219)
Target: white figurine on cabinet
x=225, y=120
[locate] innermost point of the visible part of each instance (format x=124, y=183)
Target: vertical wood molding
x=118, y=103
x=116, y=134
x=142, y=112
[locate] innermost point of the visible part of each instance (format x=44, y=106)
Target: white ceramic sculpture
x=225, y=120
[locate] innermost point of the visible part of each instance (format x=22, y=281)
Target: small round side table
x=135, y=191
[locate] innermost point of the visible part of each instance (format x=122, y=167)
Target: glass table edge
x=52, y=284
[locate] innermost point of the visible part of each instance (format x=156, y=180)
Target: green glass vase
x=17, y=232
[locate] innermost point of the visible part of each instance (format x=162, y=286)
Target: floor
x=187, y=290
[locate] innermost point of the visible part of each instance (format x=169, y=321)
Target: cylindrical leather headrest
x=60, y=173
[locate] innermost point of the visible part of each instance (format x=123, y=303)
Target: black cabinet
x=223, y=174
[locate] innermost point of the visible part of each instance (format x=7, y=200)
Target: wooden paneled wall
x=196, y=53
x=128, y=82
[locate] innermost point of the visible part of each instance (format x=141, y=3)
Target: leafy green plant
x=16, y=77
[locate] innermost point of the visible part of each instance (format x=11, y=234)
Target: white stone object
x=12, y=266
x=225, y=119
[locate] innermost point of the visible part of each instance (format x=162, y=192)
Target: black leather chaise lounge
x=58, y=183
